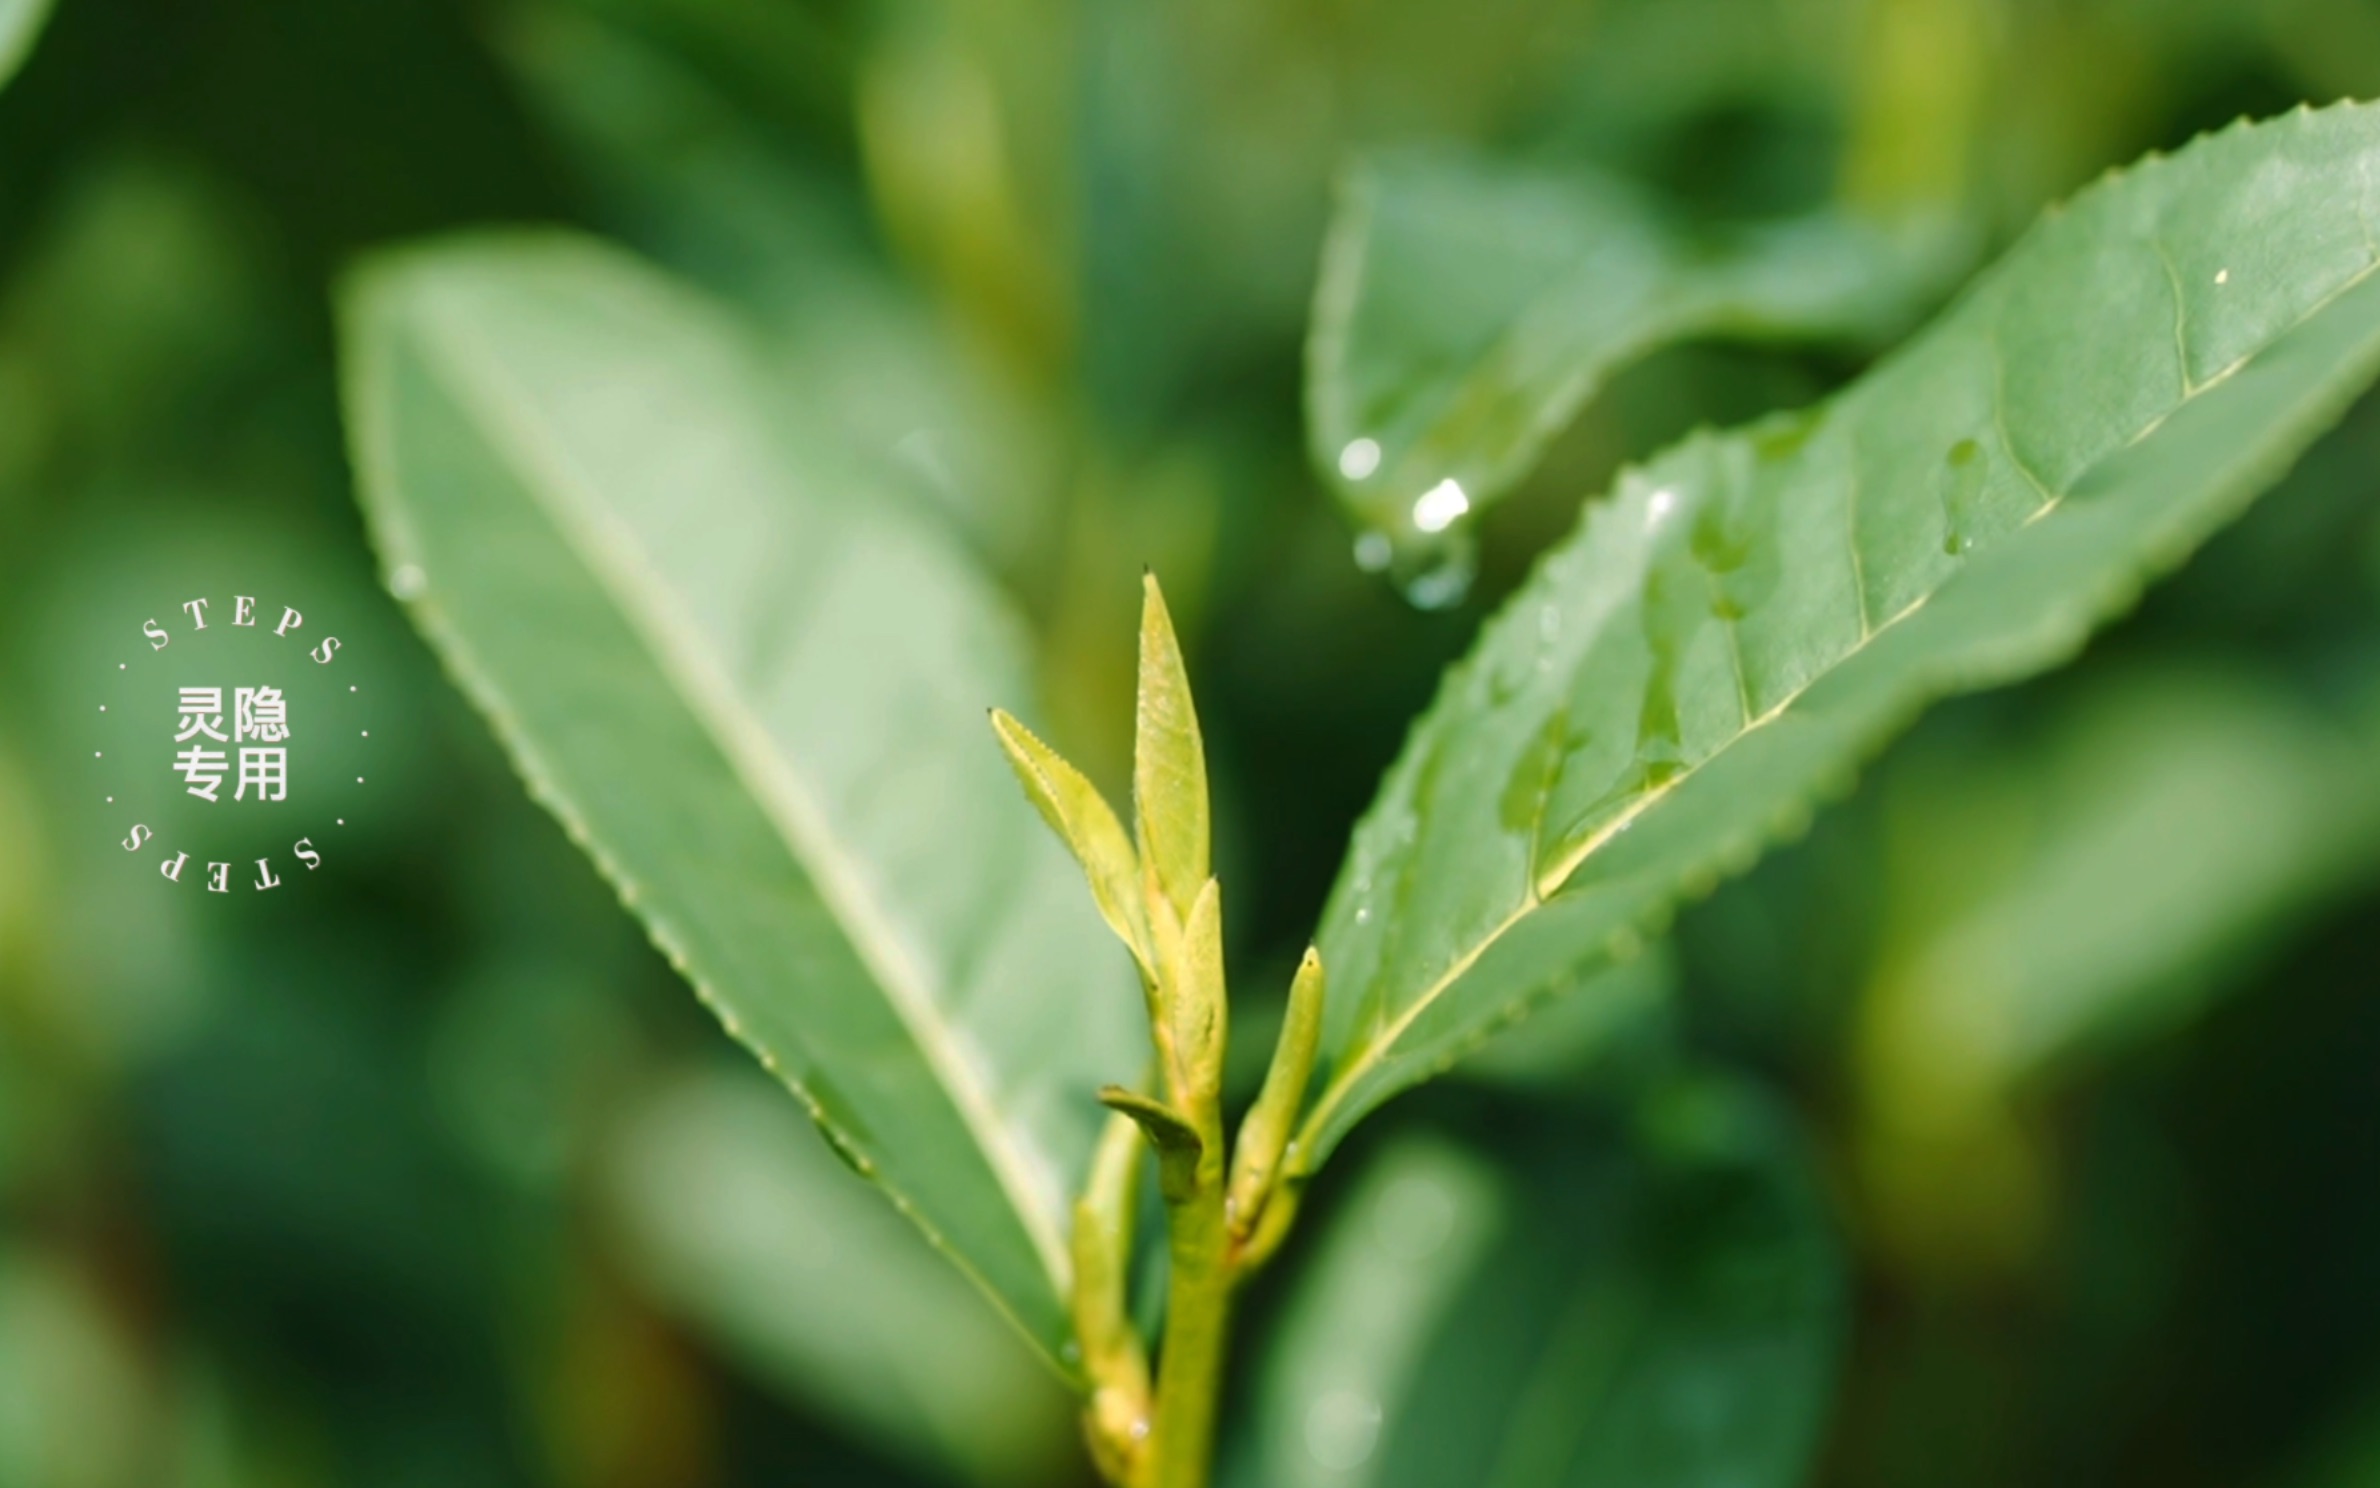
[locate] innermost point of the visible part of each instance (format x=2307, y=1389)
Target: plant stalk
x=1197, y=1322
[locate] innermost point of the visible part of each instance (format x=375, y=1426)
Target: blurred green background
x=429, y=1172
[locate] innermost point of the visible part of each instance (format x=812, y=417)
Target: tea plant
x=749, y=676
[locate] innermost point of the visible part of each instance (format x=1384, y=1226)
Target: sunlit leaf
x=1468, y=309
x=1749, y=616
x=1667, y=1317
x=752, y=685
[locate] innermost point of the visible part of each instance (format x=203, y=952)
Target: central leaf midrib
x=794, y=819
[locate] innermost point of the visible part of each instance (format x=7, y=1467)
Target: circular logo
x=231, y=748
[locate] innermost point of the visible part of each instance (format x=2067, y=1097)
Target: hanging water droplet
x=1439, y=506
x=1426, y=548
x=1443, y=578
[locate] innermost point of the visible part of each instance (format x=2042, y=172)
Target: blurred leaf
x=1662, y=1318
x=75, y=1409
x=1468, y=309
x=741, y=1223
x=2097, y=884
x=966, y=117
x=699, y=183
x=1380, y=1291
x=20, y=24
x=1578, y=1026
x=753, y=688
x=137, y=305
x=1750, y=615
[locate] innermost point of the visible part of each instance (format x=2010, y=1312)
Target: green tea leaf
x=1177, y=1143
x=1667, y=1317
x=20, y=26
x=1169, y=761
x=751, y=686
x=1265, y=1130
x=1191, y=1008
x=1467, y=310
x=1751, y=615
x=1082, y=819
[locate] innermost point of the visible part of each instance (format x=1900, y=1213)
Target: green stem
x=1197, y=1320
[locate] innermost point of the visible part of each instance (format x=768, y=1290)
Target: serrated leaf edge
x=672, y=645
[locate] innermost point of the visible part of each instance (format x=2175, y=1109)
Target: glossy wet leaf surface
x=1743, y=620
x=752, y=685
x=1662, y=1312
x=1469, y=308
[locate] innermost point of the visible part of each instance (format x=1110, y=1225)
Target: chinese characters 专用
x=260, y=714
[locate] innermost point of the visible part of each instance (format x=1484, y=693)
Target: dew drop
x=2222, y=276
x=1359, y=459
x=408, y=581
x=1373, y=551
x=1440, y=576
x=1439, y=506
x=1658, y=508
